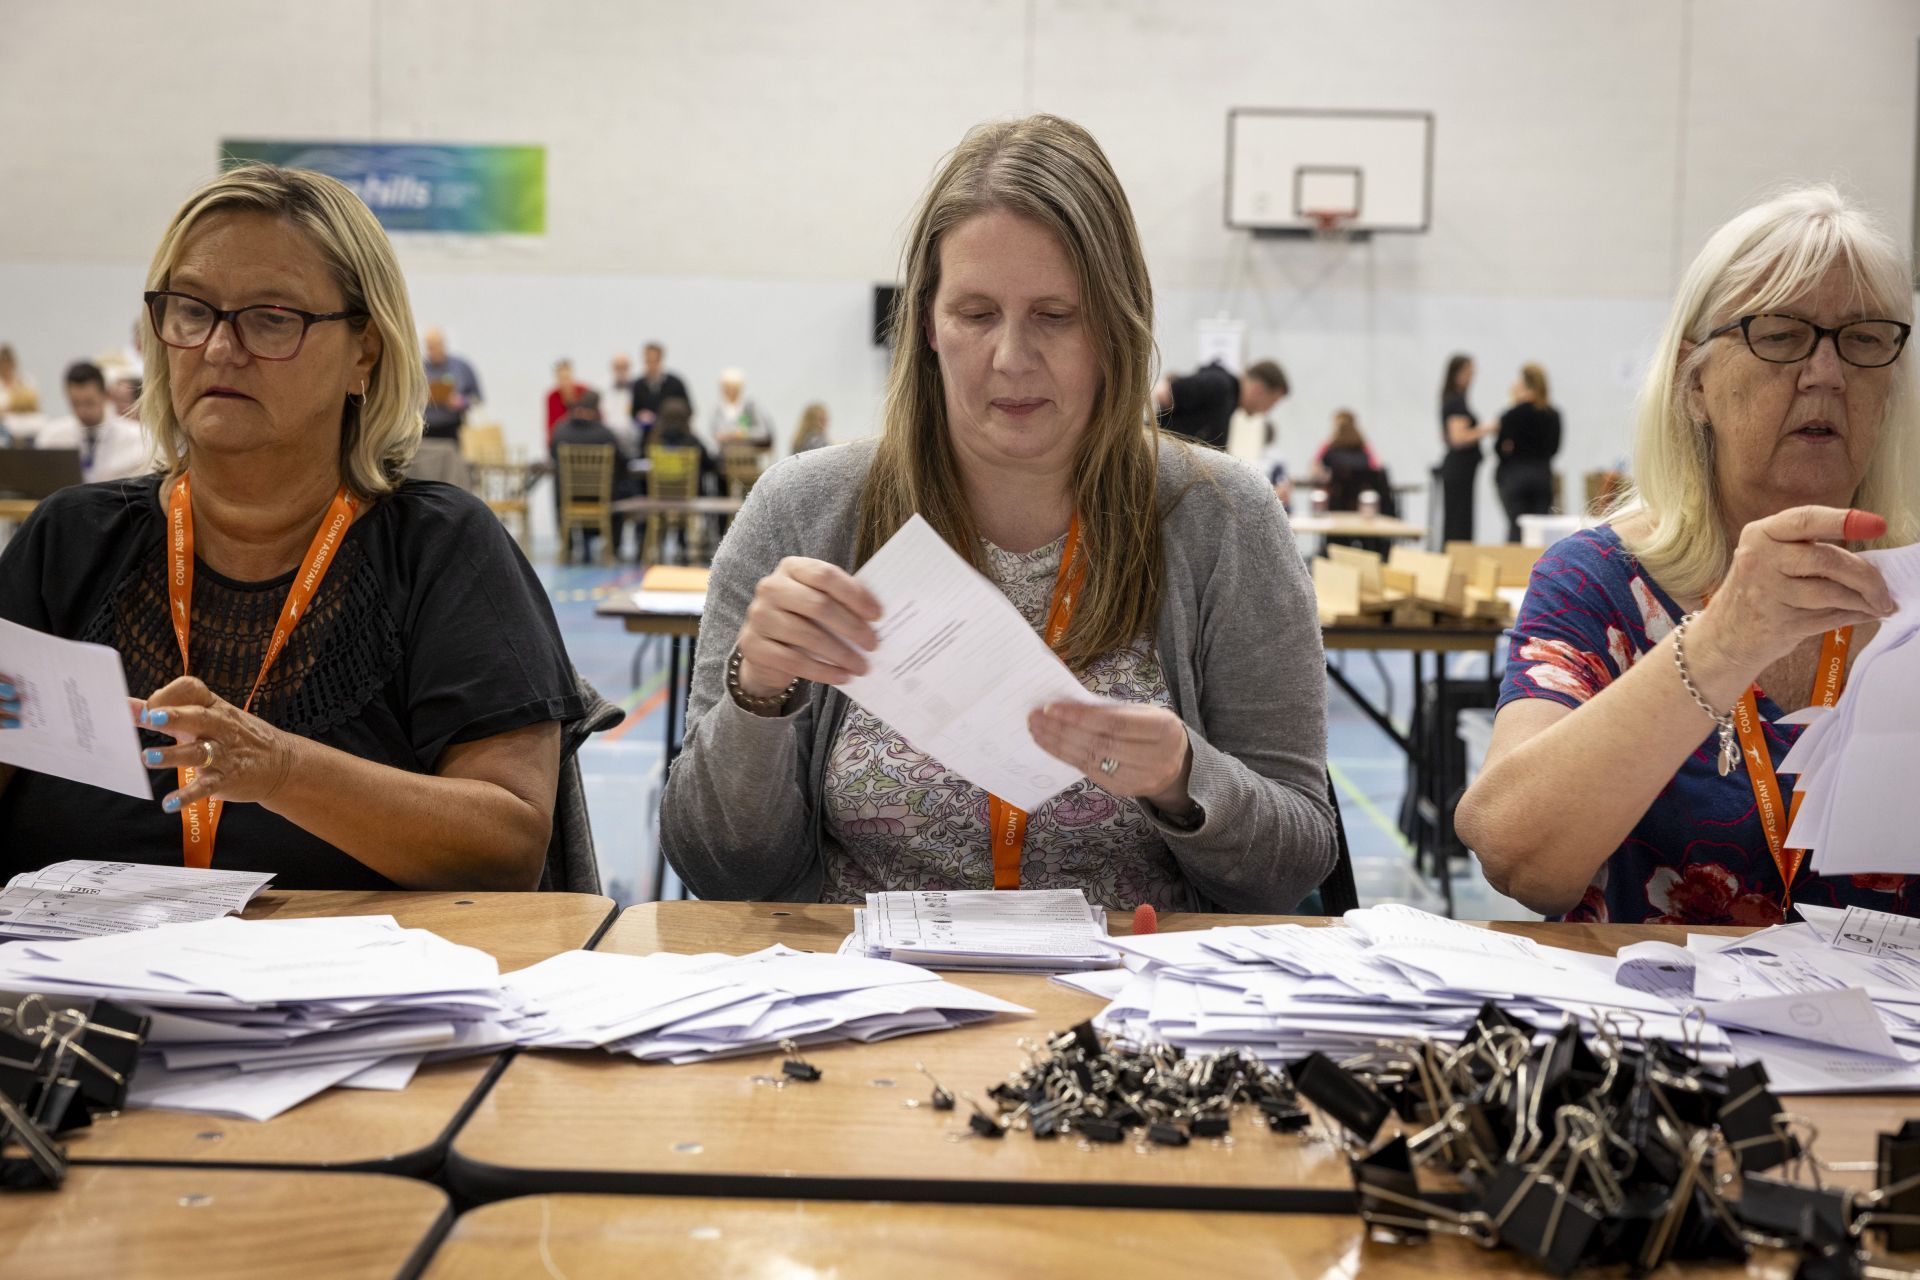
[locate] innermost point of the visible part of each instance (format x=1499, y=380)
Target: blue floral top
x=1699, y=854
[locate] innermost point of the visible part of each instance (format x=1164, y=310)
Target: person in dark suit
x=582, y=425
x=1201, y=405
x=654, y=387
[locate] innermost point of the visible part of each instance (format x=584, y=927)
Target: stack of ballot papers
x=1831, y=1005
x=251, y=1017
x=1853, y=764
x=92, y=899
x=1034, y=931
x=687, y=1008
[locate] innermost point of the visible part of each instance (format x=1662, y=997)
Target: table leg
x=1367, y=709
x=673, y=702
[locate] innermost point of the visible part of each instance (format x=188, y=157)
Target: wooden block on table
x=674, y=577
x=1515, y=561
x=1337, y=588
x=1409, y=614
x=1368, y=563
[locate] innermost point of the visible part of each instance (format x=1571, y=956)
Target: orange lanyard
x=200, y=819
x=1009, y=825
x=1828, y=680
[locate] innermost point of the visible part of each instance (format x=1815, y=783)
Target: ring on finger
x=206, y=753
x=1108, y=764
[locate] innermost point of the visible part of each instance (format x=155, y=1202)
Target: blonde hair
x=1534, y=378
x=1763, y=259
x=1051, y=171
x=811, y=429
x=377, y=438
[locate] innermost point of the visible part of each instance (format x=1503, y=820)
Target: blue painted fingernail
x=156, y=718
x=151, y=757
x=171, y=804
x=8, y=692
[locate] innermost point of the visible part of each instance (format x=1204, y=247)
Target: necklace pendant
x=1728, y=753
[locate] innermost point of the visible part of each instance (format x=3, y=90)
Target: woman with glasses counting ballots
x=1017, y=424
x=1777, y=438
x=351, y=680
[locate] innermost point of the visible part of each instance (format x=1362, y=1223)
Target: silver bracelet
x=1729, y=752
x=758, y=704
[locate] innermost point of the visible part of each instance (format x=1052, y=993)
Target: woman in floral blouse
x=1777, y=437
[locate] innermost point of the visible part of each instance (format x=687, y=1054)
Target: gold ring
x=206, y=753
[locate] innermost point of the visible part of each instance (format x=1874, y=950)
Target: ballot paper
x=75, y=721
x=89, y=899
x=1852, y=764
x=688, y=1008
x=251, y=1017
x=957, y=669
x=688, y=603
x=1035, y=930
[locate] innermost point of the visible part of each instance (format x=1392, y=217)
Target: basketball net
x=1332, y=224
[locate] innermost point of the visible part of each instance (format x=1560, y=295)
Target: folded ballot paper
x=1853, y=764
x=957, y=669
x=1032, y=931
x=1830, y=1006
x=92, y=899
x=688, y=1008
x=252, y=1017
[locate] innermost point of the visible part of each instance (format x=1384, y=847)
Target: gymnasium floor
x=617, y=766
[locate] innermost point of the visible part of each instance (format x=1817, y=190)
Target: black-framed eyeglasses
x=267, y=332
x=1779, y=338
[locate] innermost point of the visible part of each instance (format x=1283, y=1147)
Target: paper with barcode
x=75, y=721
x=958, y=670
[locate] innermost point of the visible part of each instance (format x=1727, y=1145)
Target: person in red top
x=560, y=399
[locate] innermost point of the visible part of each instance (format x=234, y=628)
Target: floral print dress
x=897, y=819
x=1699, y=855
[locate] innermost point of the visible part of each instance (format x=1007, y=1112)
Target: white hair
x=1769, y=256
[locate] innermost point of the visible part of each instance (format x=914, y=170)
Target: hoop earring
x=357, y=398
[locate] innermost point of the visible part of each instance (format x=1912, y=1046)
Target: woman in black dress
x=1529, y=437
x=1462, y=436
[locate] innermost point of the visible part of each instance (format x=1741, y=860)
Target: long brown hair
x=1534, y=378
x=1052, y=171
x=1346, y=431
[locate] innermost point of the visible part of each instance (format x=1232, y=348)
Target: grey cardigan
x=1238, y=642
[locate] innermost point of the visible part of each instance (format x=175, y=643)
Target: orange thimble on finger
x=1863, y=526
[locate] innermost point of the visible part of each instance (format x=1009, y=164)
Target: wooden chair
x=500, y=481
x=585, y=477
x=673, y=472
x=741, y=462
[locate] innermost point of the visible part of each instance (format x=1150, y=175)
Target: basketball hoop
x=1332, y=224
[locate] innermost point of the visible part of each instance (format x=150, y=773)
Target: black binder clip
x=1390, y=1202
x=983, y=1124
x=1749, y=1118
x=1540, y=1216
x=1340, y=1094
x=942, y=1099
x=1165, y=1133
x=1893, y=1206
x=795, y=1066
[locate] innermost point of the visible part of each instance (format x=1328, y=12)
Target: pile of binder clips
x=1603, y=1152
x=62, y=1061
x=1576, y=1152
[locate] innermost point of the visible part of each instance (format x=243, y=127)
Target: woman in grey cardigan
x=1164, y=575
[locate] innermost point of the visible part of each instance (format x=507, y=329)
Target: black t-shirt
x=430, y=629
x=1533, y=431
x=1454, y=405
x=1203, y=405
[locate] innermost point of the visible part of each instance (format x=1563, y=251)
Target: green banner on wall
x=414, y=186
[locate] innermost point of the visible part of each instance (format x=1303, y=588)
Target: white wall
x=733, y=175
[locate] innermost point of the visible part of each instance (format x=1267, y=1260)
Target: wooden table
x=593, y=1122
x=1427, y=824
x=1351, y=524
x=363, y=1129
x=210, y=1224
x=590, y=1237
x=680, y=630
x=13, y=510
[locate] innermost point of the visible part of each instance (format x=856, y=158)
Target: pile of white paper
x=252, y=1017
x=1829, y=1006
x=681, y=1008
x=1283, y=991
x=1044, y=931
x=91, y=899
x=1859, y=807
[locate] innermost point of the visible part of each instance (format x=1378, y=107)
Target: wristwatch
x=760, y=704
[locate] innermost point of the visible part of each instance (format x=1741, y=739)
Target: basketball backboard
x=1284, y=165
